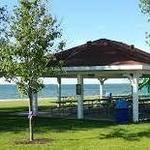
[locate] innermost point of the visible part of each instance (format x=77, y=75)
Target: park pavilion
x=104, y=59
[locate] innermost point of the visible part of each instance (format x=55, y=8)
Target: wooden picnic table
x=66, y=100
x=144, y=101
x=71, y=101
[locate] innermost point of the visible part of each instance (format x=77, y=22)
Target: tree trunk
x=35, y=104
x=31, y=129
x=31, y=136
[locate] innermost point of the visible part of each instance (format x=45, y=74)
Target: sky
x=86, y=20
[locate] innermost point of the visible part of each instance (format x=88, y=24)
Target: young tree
x=3, y=20
x=145, y=82
x=34, y=37
x=3, y=37
x=145, y=8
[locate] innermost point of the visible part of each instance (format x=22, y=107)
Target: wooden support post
x=135, y=96
x=101, y=83
x=134, y=79
x=59, y=90
x=80, y=98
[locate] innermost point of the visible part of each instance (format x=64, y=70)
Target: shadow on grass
x=9, y=121
x=18, y=123
x=21, y=109
x=13, y=123
x=126, y=134
x=116, y=134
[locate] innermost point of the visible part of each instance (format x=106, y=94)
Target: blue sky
x=89, y=20
x=84, y=20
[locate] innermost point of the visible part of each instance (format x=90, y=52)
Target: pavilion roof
x=103, y=52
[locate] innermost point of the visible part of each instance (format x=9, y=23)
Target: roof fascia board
x=107, y=68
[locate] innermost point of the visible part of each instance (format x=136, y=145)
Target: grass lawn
x=69, y=134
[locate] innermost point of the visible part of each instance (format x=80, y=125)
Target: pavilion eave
x=114, y=71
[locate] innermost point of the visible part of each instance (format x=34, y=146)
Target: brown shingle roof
x=103, y=52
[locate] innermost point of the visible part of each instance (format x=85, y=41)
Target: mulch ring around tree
x=35, y=141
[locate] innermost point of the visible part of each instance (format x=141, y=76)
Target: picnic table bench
x=106, y=103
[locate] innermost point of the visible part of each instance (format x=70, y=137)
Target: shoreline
x=55, y=98
x=25, y=99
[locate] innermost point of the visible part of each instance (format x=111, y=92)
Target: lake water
x=11, y=92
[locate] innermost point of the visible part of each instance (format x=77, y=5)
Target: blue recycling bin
x=121, y=111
